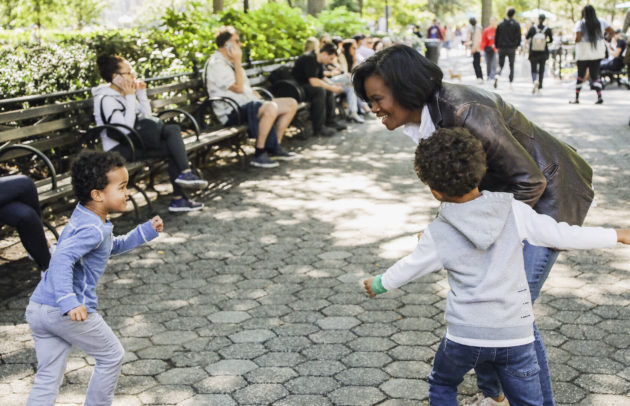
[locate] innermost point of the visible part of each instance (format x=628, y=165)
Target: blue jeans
x=54, y=335
x=516, y=367
x=538, y=263
x=491, y=64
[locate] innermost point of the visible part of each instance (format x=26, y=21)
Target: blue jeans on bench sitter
x=250, y=113
x=54, y=335
x=516, y=367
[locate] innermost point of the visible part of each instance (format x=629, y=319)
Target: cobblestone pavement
x=256, y=299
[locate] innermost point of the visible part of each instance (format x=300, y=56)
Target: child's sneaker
x=190, y=180
x=184, y=204
x=263, y=161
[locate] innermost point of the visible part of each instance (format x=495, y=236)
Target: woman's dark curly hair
x=108, y=65
x=89, y=172
x=451, y=161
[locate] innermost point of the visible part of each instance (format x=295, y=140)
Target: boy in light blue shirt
x=62, y=310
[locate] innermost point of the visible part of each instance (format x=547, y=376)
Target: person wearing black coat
x=538, y=59
x=507, y=39
x=406, y=89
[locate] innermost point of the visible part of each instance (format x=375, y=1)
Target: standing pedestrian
x=590, y=49
x=539, y=37
x=474, y=43
x=507, y=39
x=489, y=48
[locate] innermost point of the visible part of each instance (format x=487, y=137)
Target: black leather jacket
x=523, y=159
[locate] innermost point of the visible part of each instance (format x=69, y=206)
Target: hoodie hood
x=481, y=220
x=104, y=90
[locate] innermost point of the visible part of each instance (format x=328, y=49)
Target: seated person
x=268, y=120
x=308, y=71
x=615, y=62
x=123, y=100
x=19, y=208
x=364, y=47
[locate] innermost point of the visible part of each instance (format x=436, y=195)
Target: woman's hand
x=128, y=86
x=140, y=84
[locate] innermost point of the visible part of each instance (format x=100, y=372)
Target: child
x=62, y=310
x=477, y=237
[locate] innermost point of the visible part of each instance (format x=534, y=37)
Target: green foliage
x=49, y=13
x=340, y=21
x=350, y=5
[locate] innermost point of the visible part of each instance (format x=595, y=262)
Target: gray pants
x=54, y=336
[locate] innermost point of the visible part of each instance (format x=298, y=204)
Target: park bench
x=39, y=135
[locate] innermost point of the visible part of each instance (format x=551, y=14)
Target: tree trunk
x=360, y=7
x=314, y=7
x=217, y=5
x=486, y=12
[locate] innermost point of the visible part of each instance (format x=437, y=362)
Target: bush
x=341, y=22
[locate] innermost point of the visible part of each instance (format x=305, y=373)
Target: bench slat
x=173, y=87
x=41, y=111
x=25, y=132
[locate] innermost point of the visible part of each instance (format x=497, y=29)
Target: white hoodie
x=118, y=109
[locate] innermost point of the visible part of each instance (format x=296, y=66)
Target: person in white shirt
x=364, y=47
x=268, y=120
x=123, y=101
x=478, y=238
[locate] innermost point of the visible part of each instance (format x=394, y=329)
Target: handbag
x=149, y=128
x=585, y=51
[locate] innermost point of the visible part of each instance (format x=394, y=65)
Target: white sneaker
x=480, y=81
x=356, y=118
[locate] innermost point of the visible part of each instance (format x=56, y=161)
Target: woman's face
x=392, y=114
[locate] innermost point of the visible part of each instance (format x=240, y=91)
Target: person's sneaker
x=480, y=81
x=282, y=155
x=263, y=161
x=336, y=125
x=356, y=118
x=492, y=402
x=325, y=132
x=599, y=101
x=535, y=88
x=183, y=204
x=190, y=180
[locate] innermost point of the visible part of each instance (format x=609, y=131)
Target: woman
x=590, y=49
x=538, y=57
x=489, y=48
x=348, y=60
x=123, y=100
x=19, y=208
x=406, y=89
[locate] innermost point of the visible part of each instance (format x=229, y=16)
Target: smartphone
x=230, y=47
x=119, y=81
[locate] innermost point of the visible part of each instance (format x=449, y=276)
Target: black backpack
x=282, y=73
x=284, y=85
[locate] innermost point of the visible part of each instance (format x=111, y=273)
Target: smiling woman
x=406, y=89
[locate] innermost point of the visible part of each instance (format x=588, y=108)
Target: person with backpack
x=507, y=39
x=539, y=36
x=590, y=49
x=123, y=100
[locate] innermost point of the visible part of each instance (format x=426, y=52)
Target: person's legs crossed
x=29, y=225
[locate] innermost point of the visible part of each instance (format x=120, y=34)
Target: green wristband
x=377, y=285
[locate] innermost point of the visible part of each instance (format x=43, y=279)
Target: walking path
x=256, y=299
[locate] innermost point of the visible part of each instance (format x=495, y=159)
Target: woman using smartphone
x=123, y=100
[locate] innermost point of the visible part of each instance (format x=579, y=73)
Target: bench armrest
x=53, y=174
x=230, y=102
x=94, y=132
x=185, y=114
x=266, y=94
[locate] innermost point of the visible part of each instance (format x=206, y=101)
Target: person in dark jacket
x=538, y=59
x=406, y=89
x=507, y=39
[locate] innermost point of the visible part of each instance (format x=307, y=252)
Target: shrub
x=342, y=22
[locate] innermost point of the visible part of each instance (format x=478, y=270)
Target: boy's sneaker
x=190, y=180
x=263, y=161
x=184, y=204
x=282, y=155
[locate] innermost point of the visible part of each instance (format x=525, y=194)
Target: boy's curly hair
x=89, y=172
x=451, y=161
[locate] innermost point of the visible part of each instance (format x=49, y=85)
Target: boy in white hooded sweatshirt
x=477, y=237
